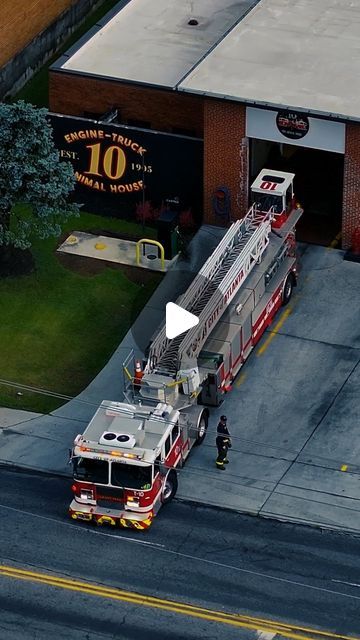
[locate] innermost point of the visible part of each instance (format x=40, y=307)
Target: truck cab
x=274, y=191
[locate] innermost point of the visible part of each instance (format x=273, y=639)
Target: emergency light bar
x=118, y=454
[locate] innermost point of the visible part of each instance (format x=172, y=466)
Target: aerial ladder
x=125, y=463
x=174, y=362
x=211, y=292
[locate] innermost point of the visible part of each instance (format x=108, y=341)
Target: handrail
x=156, y=244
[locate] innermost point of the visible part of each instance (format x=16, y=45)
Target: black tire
x=170, y=487
x=202, y=427
x=288, y=289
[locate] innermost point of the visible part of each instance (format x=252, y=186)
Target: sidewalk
x=294, y=410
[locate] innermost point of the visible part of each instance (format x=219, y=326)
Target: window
x=265, y=202
x=175, y=432
x=91, y=470
x=167, y=446
x=157, y=464
x=289, y=199
x=276, y=179
x=131, y=476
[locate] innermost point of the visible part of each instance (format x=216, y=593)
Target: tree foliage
x=31, y=173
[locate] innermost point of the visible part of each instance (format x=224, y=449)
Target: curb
x=16, y=468
x=272, y=516
x=22, y=468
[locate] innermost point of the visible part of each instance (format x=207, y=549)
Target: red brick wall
x=225, y=157
x=73, y=95
x=21, y=21
x=351, y=195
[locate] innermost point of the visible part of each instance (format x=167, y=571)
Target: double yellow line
x=247, y=622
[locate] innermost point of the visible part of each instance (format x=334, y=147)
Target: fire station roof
x=303, y=54
x=154, y=42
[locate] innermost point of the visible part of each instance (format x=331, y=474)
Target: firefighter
x=223, y=443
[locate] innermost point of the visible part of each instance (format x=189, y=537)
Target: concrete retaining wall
x=15, y=73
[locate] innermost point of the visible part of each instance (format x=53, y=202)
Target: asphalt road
x=209, y=558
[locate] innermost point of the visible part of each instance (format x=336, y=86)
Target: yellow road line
x=335, y=242
x=241, y=379
x=275, y=330
x=290, y=631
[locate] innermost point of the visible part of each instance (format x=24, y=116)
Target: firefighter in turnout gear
x=223, y=443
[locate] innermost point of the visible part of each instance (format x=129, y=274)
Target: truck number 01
x=269, y=186
x=113, y=161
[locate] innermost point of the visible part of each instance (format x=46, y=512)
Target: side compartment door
x=246, y=335
x=184, y=433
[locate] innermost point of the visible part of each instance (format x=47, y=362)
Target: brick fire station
x=266, y=83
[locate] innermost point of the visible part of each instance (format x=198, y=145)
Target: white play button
x=178, y=320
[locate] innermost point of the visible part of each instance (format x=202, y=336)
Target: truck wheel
x=202, y=427
x=170, y=487
x=288, y=289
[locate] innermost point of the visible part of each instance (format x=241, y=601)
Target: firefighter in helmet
x=223, y=443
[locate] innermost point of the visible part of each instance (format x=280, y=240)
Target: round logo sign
x=292, y=125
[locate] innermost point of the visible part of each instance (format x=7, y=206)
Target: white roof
x=294, y=53
x=272, y=182
x=150, y=41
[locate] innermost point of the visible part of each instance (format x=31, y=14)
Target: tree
x=31, y=173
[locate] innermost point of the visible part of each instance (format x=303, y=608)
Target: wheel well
x=205, y=412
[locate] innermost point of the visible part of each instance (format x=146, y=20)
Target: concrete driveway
x=294, y=411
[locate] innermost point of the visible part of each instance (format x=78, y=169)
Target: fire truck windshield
x=131, y=476
x=266, y=201
x=91, y=470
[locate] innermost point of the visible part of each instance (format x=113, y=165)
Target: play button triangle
x=178, y=320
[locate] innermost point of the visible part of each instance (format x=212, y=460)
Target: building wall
x=21, y=21
x=220, y=123
x=31, y=32
x=225, y=158
x=163, y=110
x=351, y=193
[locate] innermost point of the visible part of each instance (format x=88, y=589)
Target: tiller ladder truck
x=125, y=462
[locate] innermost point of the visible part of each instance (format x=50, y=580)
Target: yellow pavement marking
x=275, y=330
x=241, y=379
x=344, y=467
x=290, y=631
x=335, y=242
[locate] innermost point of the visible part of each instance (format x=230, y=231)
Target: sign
x=295, y=128
x=292, y=125
x=119, y=169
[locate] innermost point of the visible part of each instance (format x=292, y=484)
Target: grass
x=36, y=91
x=60, y=326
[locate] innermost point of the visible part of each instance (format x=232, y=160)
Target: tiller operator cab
x=274, y=191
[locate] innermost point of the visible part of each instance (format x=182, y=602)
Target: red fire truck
x=125, y=462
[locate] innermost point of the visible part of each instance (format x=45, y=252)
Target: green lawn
x=59, y=326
